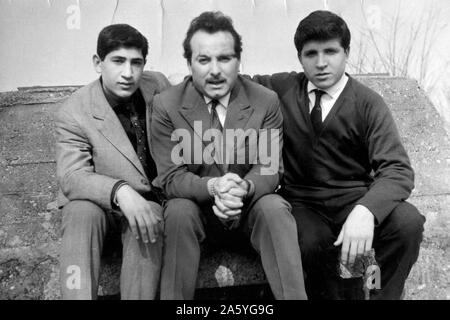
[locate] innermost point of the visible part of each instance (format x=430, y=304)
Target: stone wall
x=30, y=221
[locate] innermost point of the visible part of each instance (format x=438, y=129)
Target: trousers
x=268, y=225
x=396, y=243
x=84, y=227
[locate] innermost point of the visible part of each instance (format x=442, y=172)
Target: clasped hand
x=230, y=192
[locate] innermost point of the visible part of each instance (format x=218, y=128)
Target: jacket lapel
x=194, y=110
x=111, y=128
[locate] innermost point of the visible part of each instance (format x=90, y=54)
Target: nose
x=215, y=68
x=321, y=61
x=127, y=70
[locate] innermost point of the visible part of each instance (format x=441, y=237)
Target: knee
x=83, y=214
x=181, y=212
x=273, y=209
x=407, y=223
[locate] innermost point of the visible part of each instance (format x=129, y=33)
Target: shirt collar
x=224, y=101
x=334, y=89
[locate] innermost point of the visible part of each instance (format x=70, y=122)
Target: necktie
x=218, y=145
x=141, y=138
x=316, y=113
x=215, y=122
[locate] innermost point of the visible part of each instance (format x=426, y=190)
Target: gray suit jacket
x=93, y=151
x=251, y=106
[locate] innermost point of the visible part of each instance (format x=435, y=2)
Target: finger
x=219, y=204
x=219, y=214
x=142, y=227
x=345, y=250
x=361, y=248
x=150, y=223
x=132, y=225
x=237, y=192
x=225, y=187
x=352, y=252
x=339, y=239
x=233, y=205
x=229, y=197
x=233, y=177
x=231, y=214
x=368, y=245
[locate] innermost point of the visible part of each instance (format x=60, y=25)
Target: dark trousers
x=269, y=226
x=396, y=242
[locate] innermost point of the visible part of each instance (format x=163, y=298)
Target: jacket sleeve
x=393, y=175
x=174, y=178
x=74, y=166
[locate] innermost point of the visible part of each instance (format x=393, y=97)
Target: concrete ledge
x=30, y=222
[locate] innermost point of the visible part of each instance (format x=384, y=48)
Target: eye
x=117, y=60
x=309, y=54
x=138, y=63
x=203, y=60
x=225, y=58
x=331, y=51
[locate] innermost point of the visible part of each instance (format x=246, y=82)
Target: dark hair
x=322, y=26
x=211, y=22
x=118, y=36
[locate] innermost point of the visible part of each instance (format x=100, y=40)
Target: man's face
x=121, y=71
x=323, y=62
x=214, y=65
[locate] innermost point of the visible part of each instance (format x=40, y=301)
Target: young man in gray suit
x=211, y=195
x=105, y=170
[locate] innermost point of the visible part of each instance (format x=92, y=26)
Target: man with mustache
x=347, y=174
x=105, y=170
x=224, y=201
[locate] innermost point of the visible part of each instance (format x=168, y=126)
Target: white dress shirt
x=329, y=99
x=221, y=107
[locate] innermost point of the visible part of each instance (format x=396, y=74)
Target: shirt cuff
x=117, y=185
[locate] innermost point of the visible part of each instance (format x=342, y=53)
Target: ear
x=189, y=67
x=97, y=62
x=347, y=52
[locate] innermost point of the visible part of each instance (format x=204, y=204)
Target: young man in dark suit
x=210, y=195
x=105, y=170
x=347, y=174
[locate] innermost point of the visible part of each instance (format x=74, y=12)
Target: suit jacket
x=357, y=158
x=251, y=106
x=93, y=151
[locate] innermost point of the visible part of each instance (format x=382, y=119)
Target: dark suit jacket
x=251, y=106
x=93, y=151
x=358, y=157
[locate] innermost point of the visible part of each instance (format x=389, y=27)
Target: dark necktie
x=215, y=122
x=316, y=112
x=141, y=139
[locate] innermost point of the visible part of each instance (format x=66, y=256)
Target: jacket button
x=144, y=182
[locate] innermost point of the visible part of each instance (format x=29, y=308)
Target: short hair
x=322, y=25
x=211, y=22
x=118, y=36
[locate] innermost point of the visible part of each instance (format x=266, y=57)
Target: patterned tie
x=141, y=138
x=215, y=122
x=316, y=113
